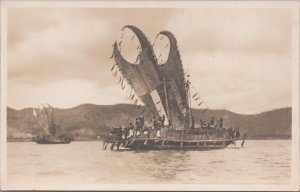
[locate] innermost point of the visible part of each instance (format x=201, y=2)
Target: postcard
x=150, y=95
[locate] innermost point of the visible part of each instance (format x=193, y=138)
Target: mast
x=188, y=101
x=167, y=101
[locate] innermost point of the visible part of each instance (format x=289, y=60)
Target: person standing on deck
x=158, y=131
x=212, y=121
x=119, y=133
x=153, y=127
x=155, y=122
x=130, y=129
x=234, y=133
x=237, y=134
x=221, y=123
x=142, y=121
x=138, y=126
x=163, y=120
x=158, y=126
x=146, y=132
x=202, y=124
x=160, y=121
x=193, y=123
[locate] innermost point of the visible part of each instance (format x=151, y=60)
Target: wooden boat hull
x=162, y=144
x=52, y=142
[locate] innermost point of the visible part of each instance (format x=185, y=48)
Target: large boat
x=164, y=88
x=44, y=118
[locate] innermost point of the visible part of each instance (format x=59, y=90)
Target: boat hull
x=162, y=144
x=52, y=142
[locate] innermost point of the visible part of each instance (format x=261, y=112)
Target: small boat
x=41, y=141
x=49, y=139
x=165, y=90
x=45, y=119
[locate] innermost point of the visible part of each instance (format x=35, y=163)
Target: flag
x=115, y=74
x=122, y=82
x=132, y=97
x=143, y=110
x=200, y=103
x=112, y=68
x=123, y=87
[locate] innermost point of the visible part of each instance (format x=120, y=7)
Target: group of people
x=211, y=124
x=138, y=129
x=219, y=129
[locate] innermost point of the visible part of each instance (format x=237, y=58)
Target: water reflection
x=87, y=163
x=166, y=165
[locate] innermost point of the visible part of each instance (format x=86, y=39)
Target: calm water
x=263, y=162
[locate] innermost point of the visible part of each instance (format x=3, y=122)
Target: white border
x=154, y=4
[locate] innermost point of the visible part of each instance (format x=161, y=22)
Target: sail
x=34, y=113
x=176, y=94
x=144, y=77
x=52, y=126
x=41, y=119
x=160, y=87
x=50, y=120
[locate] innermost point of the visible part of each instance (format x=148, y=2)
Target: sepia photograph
x=150, y=95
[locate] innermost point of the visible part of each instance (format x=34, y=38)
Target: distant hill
x=87, y=121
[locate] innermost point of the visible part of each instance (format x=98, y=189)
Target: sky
x=239, y=59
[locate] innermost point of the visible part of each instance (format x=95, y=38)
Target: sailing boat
x=165, y=91
x=45, y=119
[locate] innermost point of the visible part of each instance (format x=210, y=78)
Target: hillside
x=87, y=121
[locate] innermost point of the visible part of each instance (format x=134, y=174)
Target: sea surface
x=258, y=162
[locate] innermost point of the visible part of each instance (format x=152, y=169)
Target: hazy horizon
x=266, y=110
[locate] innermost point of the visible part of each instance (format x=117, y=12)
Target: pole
x=167, y=101
x=188, y=100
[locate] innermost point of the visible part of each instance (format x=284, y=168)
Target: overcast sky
x=239, y=59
